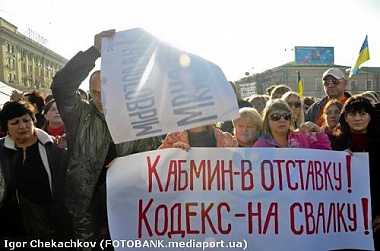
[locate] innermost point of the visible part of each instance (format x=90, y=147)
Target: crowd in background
x=64, y=141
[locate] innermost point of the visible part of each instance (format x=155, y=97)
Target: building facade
x=311, y=75
x=24, y=63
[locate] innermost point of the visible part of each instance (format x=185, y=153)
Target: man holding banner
x=90, y=145
x=147, y=89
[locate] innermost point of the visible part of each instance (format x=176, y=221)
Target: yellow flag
x=300, y=84
x=363, y=56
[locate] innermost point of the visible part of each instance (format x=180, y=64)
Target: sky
x=238, y=35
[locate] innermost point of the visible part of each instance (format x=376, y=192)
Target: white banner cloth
x=253, y=198
x=150, y=88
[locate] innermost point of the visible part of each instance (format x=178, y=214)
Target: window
x=353, y=85
x=11, y=78
x=10, y=63
x=23, y=53
x=369, y=85
x=13, y=63
x=318, y=84
x=10, y=48
x=377, y=86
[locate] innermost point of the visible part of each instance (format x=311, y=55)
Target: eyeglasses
x=277, y=116
x=331, y=81
x=295, y=104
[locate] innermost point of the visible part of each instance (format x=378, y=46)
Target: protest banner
x=245, y=198
x=150, y=88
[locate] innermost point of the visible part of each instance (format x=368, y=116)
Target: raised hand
x=98, y=38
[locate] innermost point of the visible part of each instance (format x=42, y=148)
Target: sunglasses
x=331, y=81
x=277, y=116
x=295, y=104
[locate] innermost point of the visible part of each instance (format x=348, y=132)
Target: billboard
x=314, y=55
x=247, y=90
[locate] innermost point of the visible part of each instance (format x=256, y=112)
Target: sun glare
x=184, y=60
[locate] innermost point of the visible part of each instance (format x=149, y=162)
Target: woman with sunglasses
x=277, y=130
x=294, y=101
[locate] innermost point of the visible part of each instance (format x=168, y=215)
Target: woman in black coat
x=358, y=131
x=32, y=178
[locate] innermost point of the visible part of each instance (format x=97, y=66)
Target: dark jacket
x=344, y=142
x=53, y=158
x=374, y=161
x=88, y=137
x=313, y=111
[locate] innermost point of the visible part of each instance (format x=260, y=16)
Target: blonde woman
x=248, y=126
x=331, y=115
x=277, y=131
x=294, y=101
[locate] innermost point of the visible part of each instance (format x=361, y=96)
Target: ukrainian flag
x=363, y=56
x=300, y=84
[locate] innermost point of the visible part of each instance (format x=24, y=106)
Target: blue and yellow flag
x=300, y=84
x=363, y=56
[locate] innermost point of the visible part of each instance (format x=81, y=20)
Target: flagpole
x=367, y=77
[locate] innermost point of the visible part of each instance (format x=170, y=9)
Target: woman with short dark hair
x=32, y=175
x=357, y=133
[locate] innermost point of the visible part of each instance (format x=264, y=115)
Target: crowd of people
x=55, y=150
